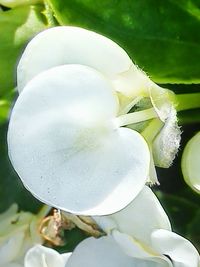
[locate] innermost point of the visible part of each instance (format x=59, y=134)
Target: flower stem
x=188, y=101
x=129, y=106
x=135, y=117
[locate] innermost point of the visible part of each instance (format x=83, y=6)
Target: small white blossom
x=18, y=232
x=40, y=256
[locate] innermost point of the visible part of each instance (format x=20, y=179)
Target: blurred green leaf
x=5, y=105
x=180, y=210
x=189, y=116
x=162, y=37
x=194, y=230
x=17, y=26
x=11, y=188
x=15, y=3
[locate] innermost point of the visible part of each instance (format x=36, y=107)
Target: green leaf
x=11, y=188
x=15, y=3
x=5, y=105
x=17, y=27
x=162, y=37
x=189, y=116
x=194, y=230
x=180, y=210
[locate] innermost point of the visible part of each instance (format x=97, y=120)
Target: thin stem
x=49, y=14
x=135, y=117
x=129, y=106
x=188, y=101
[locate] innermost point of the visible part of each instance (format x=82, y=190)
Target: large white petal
x=65, y=147
x=73, y=45
x=104, y=252
x=143, y=215
x=179, y=249
x=191, y=163
x=40, y=256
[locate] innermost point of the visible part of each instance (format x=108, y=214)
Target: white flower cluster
x=139, y=235
x=84, y=136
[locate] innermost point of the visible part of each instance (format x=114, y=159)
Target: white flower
x=40, y=256
x=191, y=163
x=140, y=235
x=66, y=139
x=142, y=216
x=18, y=232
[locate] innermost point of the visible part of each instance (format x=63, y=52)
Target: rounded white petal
x=179, y=249
x=191, y=163
x=104, y=252
x=73, y=45
x=137, y=249
x=41, y=256
x=65, y=147
x=130, y=246
x=143, y=215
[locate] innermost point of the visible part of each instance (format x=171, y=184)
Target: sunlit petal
x=136, y=249
x=66, y=148
x=143, y=215
x=45, y=51
x=104, y=252
x=179, y=249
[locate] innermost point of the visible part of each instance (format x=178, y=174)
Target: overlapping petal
x=139, y=219
x=41, y=256
x=66, y=147
x=74, y=45
x=179, y=249
x=104, y=252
